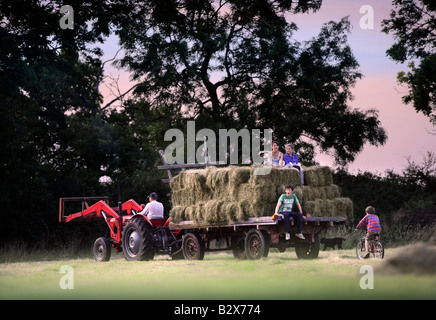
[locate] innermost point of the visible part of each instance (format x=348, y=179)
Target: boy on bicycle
x=371, y=223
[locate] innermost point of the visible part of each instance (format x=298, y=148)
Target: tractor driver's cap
x=153, y=195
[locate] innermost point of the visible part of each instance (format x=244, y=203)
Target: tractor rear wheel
x=137, y=240
x=102, y=249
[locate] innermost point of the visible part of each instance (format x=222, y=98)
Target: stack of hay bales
x=214, y=195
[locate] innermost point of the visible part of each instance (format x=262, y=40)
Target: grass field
x=334, y=275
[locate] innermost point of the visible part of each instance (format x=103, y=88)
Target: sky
x=408, y=131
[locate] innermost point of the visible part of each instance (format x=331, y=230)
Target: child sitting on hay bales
x=290, y=159
x=275, y=157
x=285, y=207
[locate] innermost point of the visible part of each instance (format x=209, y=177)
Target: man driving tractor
x=154, y=210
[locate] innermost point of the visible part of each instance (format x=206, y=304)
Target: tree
x=234, y=64
x=413, y=24
x=421, y=176
x=48, y=100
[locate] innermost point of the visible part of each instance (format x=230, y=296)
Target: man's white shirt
x=153, y=210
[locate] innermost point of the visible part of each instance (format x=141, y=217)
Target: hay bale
x=308, y=193
x=233, y=211
x=338, y=207
x=277, y=177
x=177, y=181
x=189, y=187
x=257, y=210
x=298, y=192
x=261, y=195
x=216, y=179
x=211, y=212
x=238, y=182
x=239, y=175
x=419, y=258
x=178, y=213
x=330, y=192
x=245, y=209
x=318, y=176
x=182, y=197
x=344, y=208
x=190, y=213
x=241, y=192
x=319, y=208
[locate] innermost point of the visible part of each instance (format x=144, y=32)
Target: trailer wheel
x=256, y=244
x=309, y=251
x=137, y=240
x=102, y=250
x=192, y=247
x=238, y=248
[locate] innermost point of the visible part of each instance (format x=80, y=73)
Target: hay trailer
x=131, y=233
x=252, y=238
x=248, y=239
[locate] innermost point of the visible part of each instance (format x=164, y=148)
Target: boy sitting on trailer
x=285, y=206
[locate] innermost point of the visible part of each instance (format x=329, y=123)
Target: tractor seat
x=156, y=223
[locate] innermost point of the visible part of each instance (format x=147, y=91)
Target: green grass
x=334, y=275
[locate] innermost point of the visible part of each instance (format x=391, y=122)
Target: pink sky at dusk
x=378, y=89
x=408, y=131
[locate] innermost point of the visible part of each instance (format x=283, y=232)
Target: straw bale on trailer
x=308, y=193
x=233, y=193
x=337, y=207
x=318, y=176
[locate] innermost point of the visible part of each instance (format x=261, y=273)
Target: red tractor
x=136, y=236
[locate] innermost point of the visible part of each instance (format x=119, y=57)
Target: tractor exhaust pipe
x=120, y=207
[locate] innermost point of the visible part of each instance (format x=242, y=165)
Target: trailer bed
x=252, y=238
x=257, y=221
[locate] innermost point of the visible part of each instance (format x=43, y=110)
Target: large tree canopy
x=413, y=24
x=226, y=64
x=235, y=64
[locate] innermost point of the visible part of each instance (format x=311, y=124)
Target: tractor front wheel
x=102, y=250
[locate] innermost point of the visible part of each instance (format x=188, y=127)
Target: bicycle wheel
x=360, y=249
x=379, y=250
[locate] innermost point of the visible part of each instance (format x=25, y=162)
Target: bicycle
x=376, y=248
